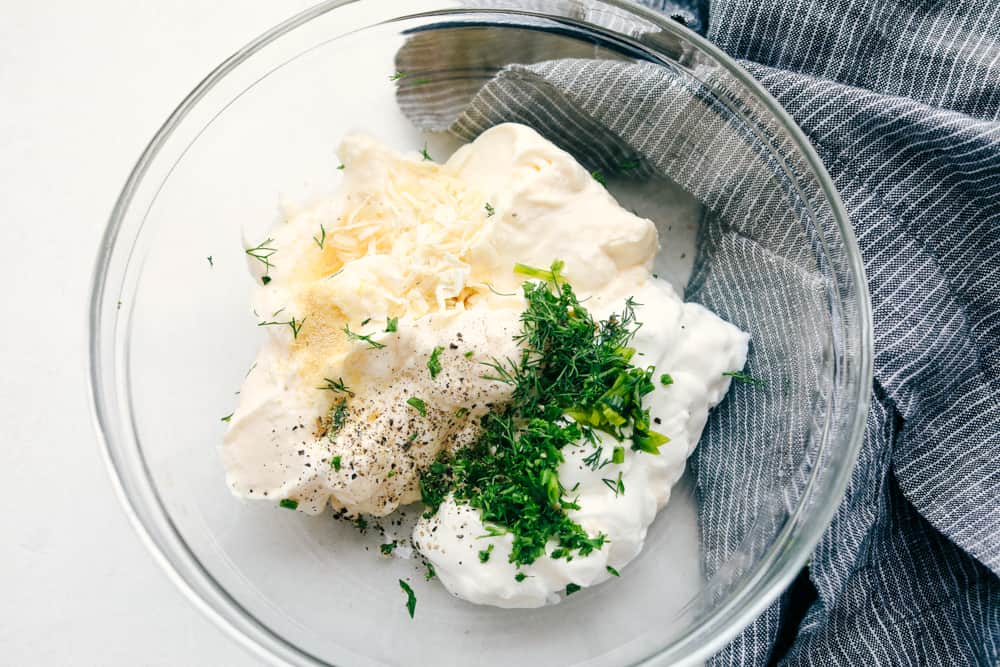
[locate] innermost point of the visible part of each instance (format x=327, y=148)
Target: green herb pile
x=570, y=365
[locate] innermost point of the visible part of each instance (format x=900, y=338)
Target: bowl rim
x=264, y=642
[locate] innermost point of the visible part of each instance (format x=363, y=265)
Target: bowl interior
x=176, y=337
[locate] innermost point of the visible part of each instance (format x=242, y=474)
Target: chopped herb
x=492, y=289
x=520, y=576
x=335, y=462
x=434, y=362
x=484, y=555
x=295, y=324
x=594, y=459
x=739, y=376
x=338, y=417
x=373, y=344
x=340, y=167
x=617, y=486
x=599, y=177
x=397, y=76
x=612, y=571
x=210, y=261
x=263, y=253
x=461, y=412
x=618, y=455
x=390, y=474
x=570, y=366
x=572, y=588
x=321, y=240
x=417, y=405
x=228, y=417
x=337, y=386
x=288, y=503
x=468, y=354
x=391, y=324
x=431, y=573
x=361, y=523
x=424, y=154
x=411, y=599
x=552, y=275
x=387, y=548
x=489, y=210
x=666, y=380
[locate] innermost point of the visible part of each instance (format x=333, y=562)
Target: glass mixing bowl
x=172, y=338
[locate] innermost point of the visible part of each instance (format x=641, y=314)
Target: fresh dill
x=335, y=462
x=361, y=523
x=397, y=76
x=571, y=365
x=593, y=461
x=468, y=354
x=417, y=405
x=211, y=262
x=612, y=571
x=336, y=386
x=263, y=254
x=490, y=211
x=434, y=362
x=367, y=338
x=424, y=154
x=431, y=572
x=617, y=486
x=227, y=417
x=484, y=555
x=321, y=239
x=391, y=324
x=411, y=599
x=740, y=376
x=387, y=548
x=295, y=324
x=572, y=588
x=288, y=503
x=338, y=417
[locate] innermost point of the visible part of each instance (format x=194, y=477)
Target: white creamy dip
x=430, y=248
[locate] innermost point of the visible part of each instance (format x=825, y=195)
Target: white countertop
x=85, y=86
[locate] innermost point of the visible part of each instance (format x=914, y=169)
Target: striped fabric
x=901, y=98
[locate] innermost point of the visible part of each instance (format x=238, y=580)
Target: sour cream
x=416, y=259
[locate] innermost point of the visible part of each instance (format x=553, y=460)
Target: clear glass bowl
x=171, y=338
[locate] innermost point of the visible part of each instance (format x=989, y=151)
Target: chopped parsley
x=570, y=365
x=387, y=548
x=411, y=599
x=431, y=573
x=434, y=362
x=612, y=571
x=391, y=324
x=484, y=555
x=666, y=380
x=340, y=167
x=211, y=262
x=288, y=503
x=367, y=338
x=361, y=523
x=740, y=376
x=265, y=279
x=520, y=576
x=572, y=588
x=321, y=239
x=424, y=154
x=335, y=462
x=489, y=210
x=599, y=177
x=337, y=386
x=397, y=76
x=417, y=405
x=390, y=474
x=228, y=417
x=468, y=354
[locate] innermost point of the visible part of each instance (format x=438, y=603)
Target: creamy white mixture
x=431, y=249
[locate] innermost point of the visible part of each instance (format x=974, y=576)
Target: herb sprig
x=367, y=338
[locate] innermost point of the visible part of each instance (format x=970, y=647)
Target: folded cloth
x=902, y=102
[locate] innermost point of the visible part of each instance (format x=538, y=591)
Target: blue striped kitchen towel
x=901, y=99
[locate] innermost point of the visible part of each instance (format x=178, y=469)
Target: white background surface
x=84, y=86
